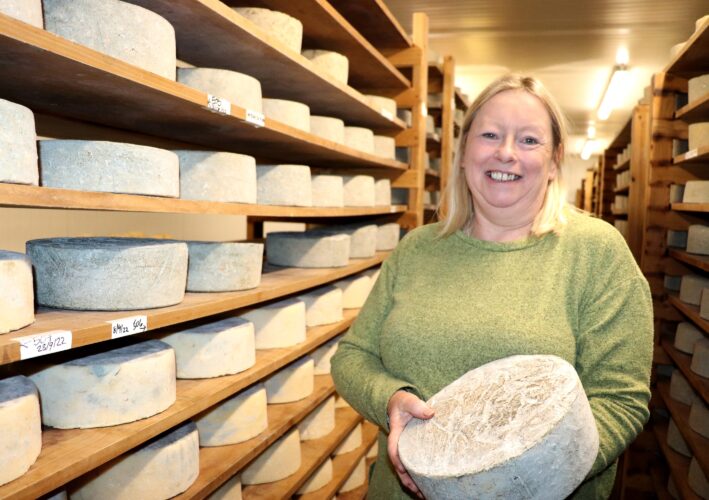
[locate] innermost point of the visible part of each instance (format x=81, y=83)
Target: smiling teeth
x=502, y=176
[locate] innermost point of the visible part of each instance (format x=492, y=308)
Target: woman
x=510, y=270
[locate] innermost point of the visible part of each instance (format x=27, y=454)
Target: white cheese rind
x=284, y=28
x=280, y=324
x=704, y=304
x=323, y=306
x=697, y=87
x=696, y=191
x=18, y=142
x=382, y=192
x=680, y=390
x=700, y=358
x=373, y=450
x=109, y=388
x=21, y=436
x=237, y=88
x=385, y=147
x=288, y=185
x=224, y=266
x=511, y=448
x=320, y=422
x=279, y=461
x=28, y=11
x=351, y=442
x=359, y=191
x=698, y=136
x=332, y=129
x=163, y=468
x=363, y=239
x=686, y=336
x=356, y=479
x=698, y=239
x=214, y=349
x=110, y=167
x=388, y=236
x=676, y=441
x=127, y=32
x=234, y=420
x=697, y=480
x=328, y=191
x=292, y=113
x=355, y=290
x=699, y=417
x=217, y=176
x=292, y=383
x=359, y=138
x=318, y=479
x=231, y=490
x=332, y=63
x=311, y=249
x=384, y=105
x=322, y=356
x=16, y=291
x=691, y=289
x=108, y=274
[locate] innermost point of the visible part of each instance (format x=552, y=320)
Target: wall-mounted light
x=590, y=144
x=617, y=85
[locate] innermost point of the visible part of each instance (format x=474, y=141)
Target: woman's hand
x=402, y=407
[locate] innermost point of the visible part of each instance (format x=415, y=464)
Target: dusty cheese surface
x=16, y=291
x=21, y=437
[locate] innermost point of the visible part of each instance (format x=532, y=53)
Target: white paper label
x=387, y=114
x=255, y=118
x=128, y=326
x=218, y=104
x=44, y=343
x=691, y=154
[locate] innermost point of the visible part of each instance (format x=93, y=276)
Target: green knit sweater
x=443, y=306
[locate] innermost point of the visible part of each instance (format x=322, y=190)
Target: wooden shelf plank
x=435, y=79
x=679, y=464
x=683, y=362
x=621, y=190
x=660, y=356
x=696, y=111
x=691, y=207
x=698, y=261
x=622, y=166
x=694, y=157
x=243, y=46
x=356, y=494
x=680, y=413
x=313, y=453
x=16, y=195
x=90, y=327
x=67, y=454
x=689, y=310
x=375, y=21
x=461, y=102
x=53, y=75
x=692, y=60
x=343, y=465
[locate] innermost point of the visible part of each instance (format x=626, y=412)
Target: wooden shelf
x=622, y=190
x=90, y=327
x=683, y=362
x=16, y=195
x=691, y=207
x=698, y=261
x=679, y=464
x=313, y=453
x=433, y=143
x=461, y=102
x=692, y=59
x=695, y=157
x=375, y=21
x=689, y=310
x=343, y=465
x=53, y=75
x=680, y=413
x=435, y=79
x=695, y=112
x=67, y=454
x=618, y=212
x=622, y=166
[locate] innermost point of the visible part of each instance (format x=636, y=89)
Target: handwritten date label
x=255, y=118
x=42, y=344
x=128, y=326
x=218, y=104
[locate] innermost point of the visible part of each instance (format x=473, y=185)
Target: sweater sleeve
x=614, y=358
x=357, y=369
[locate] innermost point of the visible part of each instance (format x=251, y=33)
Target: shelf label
x=387, y=114
x=691, y=154
x=128, y=326
x=218, y=104
x=42, y=344
x=255, y=118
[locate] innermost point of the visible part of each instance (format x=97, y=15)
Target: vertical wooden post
x=639, y=172
x=447, y=124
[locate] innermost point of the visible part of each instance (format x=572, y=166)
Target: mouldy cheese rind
x=388, y=236
x=238, y=88
x=700, y=358
x=363, y=239
x=690, y=290
x=698, y=136
x=334, y=64
x=355, y=290
x=231, y=490
x=328, y=191
x=292, y=113
x=511, y=449
x=704, y=304
x=351, y=442
x=326, y=127
x=28, y=11
x=292, y=383
x=322, y=356
x=698, y=87
x=385, y=147
x=128, y=32
x=18, y=143
x=21, y=436
x=696, y=192
x=111, y=167
x=288, y=185
x=359, y=138
x=373, y=450
x=382, y=192
x=697, y=479
x=676, y=441
x=686, y=336
x=279, y=324
x=318, y=479
x=108, y=274
x=16, y=291
x=698, y=239
x=320, y=422
x=699, y=417
x=356, y=479
x=676, y=238
x=384, y=105
x=359, y=191
x=280, y=460
x=224, y=266
x=323, y=306
x=284, y=28
x=312, y=249
x=223, y=347
x=234, y=420
x=217, y=176
x=680, y=390
x=163, y=468
x=109, y=388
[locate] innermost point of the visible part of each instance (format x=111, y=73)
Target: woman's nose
x=506, y=149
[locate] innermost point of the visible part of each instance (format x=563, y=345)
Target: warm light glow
x=591, y=132
x=615, y=90
x=588, y=148
x=622, y=57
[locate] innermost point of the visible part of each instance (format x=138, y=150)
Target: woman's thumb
x=418, y=408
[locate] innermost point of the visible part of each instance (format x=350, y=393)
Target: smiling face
x=509, y=159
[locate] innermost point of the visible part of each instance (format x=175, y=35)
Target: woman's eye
x=530, y=141
x=489, y=135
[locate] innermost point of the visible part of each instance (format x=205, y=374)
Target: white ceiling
x=570, y=45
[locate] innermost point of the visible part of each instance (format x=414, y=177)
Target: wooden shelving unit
x=683, y=362
x=678, y=464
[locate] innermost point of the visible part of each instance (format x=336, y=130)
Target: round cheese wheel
x=701, y=22
x=127, y=32
x=690, y=290
x=237, y=88
x=234, y=420
x=320, y=422
x=385, y=147
x=677, y=238
x=518, y=427
x=223, y=266
x=284, y=28
x=355, y=290
x=21, y=436
x=292, y=113
x=323, y=306
x=284, y=185
x=351, y=442
x=328, y=191
x=388, y=236
x=214, y=349
x=700, y=358
x=28, y=11
x=108, y=273
x=672, y=489
x=357, y=478
x=110, y=167
x=363, y=239
x=382, y=192
x=676, y=49
x=686, y=336
x=341, y=403
x=359, y=138
x=373, y=451
x=231, y=490
x=292, y=383
x=332, y=129
x=318, y=479
x=322, y=356
x=18, y=142
x=699, y=417
x=279, y=324
x=698, y=137
x=162, y=468
x=359, y=191
x=214, y=176
x=109, y=388
x=698, y=87
x=697, y=479
x=384, y=105
x=406, y=116
x=16, y=291
x=332, y=63
x=280, y=460
x=308, y=249
x=676, y=441
x=680, y=390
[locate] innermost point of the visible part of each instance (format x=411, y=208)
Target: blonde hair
x=457, y=198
